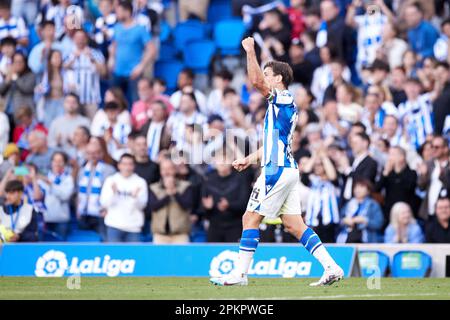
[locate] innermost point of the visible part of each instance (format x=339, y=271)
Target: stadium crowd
x=91, y=140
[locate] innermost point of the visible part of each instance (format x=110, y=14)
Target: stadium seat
x=50, y=236
x=369, y=260
x=169, y=70
x=228, y=35
x=198, y=54
x=411, y=264
x=187, y=31
x=84, y=236
x=165, y=33
x=219, y=10
x=167, y=52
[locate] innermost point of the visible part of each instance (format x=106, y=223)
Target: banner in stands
x=57, y=260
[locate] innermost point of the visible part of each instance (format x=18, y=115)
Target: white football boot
x=230, y=280
x=330, y=276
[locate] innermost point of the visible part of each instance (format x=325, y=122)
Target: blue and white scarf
x=89, y=196
x=323, y=199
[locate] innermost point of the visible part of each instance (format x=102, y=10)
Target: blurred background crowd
x=119, y=120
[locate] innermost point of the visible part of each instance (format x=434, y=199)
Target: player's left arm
x=255, y=74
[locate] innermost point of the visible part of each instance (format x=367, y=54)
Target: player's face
x=271, y=79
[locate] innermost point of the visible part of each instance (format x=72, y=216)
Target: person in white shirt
x=185, y=83
x=59, y=188
x=4, y=131
x=124, y=197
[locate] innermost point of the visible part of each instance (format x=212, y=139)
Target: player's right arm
x=244, y=163
x=255, y=74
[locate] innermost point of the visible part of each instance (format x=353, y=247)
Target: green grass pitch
x=175, y=288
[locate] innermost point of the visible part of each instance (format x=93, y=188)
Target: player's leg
x=295, y=225
x=248, y=244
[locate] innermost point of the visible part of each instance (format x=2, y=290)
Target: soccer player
x=276, y=192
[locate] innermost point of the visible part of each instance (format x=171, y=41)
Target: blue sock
x=310, y=240
x=249, y=240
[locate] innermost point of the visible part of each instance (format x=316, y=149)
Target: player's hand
x=241, y=164
x=248, y=44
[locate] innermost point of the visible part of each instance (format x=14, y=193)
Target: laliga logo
x=51, y=264
x=226, y=261
x=55, y=264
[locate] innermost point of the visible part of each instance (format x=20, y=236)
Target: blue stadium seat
x=169, y=70
x=84, y=236
x=198, y=54
x=165, y=33
x=228, y=35
x=50, y=236
x=167, y=52
x=219, y=10
x=411, y=264
x=187, y=31
x=370, y=260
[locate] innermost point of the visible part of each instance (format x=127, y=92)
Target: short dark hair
x=161, y=81
x=229, y=90
x=364, y=182
x=283, y=69
x=8, y=41
x=189, y=73
x=62, y=154
x=14, y=186
x=127, y=5
x=74, y=95
x=127, y=156
x=111, y=106
x=85, y=130
x=364, y=136
x=5, y=4
x=46, y=22
x=224, y=74
x=443, y=64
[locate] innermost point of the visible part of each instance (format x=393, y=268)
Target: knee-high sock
x=312, y=243
x=247, y=248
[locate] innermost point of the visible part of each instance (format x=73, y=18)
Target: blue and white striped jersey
x=279, y=126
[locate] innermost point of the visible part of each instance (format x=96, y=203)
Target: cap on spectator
x=9, y=150
x=214, y=117
x=313, y=128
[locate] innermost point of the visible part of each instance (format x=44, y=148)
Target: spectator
x=56, y=82
x=39, y=55
x=124, y=196
x=187, y=114
x=431, y=176
x=304, y=99
x=17, y=216
x=63, y=127
x=131, y=50
x=90, y=181
x=333, y=126
x=397, y=81
x=348, y=107
x=104, y=25
x=441, y=111
x=303, y=69
x=403, y=228
x=100, y=121
x=8, y=159
x=392, y=47
x=4, y=130
x=397, y=181
x=141, y=111
x=421, y=34
x=361, y=217
x=363, y=165
x=296, y=18
x=437, y=230
x=322, y=212
x=8, y=49
x=276, y=35
x=221, y=80
x=12, y=26
x=171, y=203
x=88, y=65
x=224, y=199
x=156, y=131
x=40, y=153
x=61, y=12
x=59, y=188
x=144, y=166
x=77, y=152
x=185, y=83
x=18, y=85
x=440, y=48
